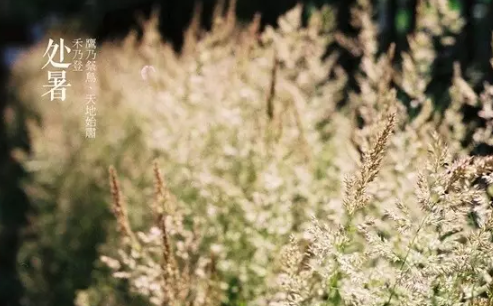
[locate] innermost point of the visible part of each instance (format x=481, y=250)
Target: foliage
x=254, y=138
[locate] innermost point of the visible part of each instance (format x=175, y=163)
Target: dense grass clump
x=242, y=172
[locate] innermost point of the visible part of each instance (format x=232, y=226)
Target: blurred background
x=23, y=23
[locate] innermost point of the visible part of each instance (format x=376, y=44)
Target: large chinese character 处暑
x=58, y=85
x=51, y=52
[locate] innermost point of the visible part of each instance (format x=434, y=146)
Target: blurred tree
x=14, y=205
x=113, y=19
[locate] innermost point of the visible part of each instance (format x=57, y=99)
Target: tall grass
x=240, y=173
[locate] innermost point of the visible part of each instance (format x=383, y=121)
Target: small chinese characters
x=85, y=61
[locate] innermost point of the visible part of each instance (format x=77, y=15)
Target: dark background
x=23, y=21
